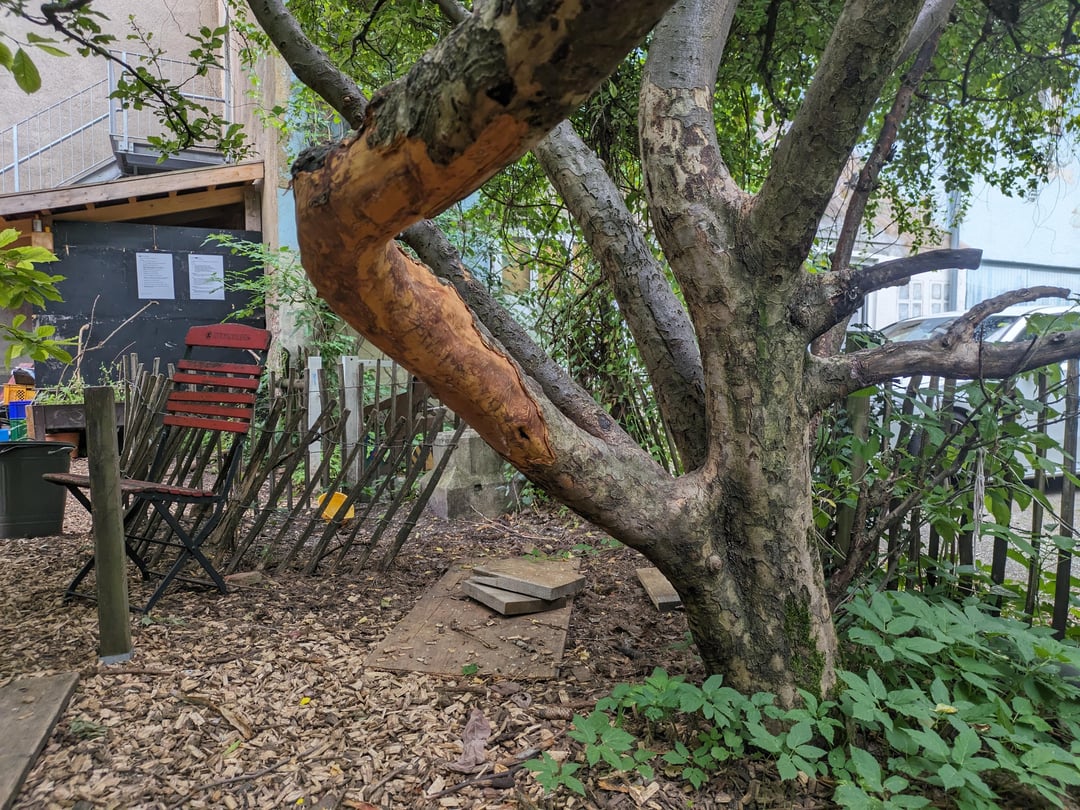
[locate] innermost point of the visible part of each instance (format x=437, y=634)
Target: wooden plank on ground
x=29, y=708
x=658, y=588
x=447, y=630
x=508, y=603
x=534, y=576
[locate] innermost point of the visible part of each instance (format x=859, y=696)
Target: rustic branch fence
x=332, y=461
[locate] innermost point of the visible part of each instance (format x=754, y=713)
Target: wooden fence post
x=114, y=621
x=314, y=409
x=352, y=388
x=1068, y=499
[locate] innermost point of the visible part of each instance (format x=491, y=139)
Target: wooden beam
x=25, y=203
x=114, y=621
x=30, y=707
x=253, y=206
x=141, y=209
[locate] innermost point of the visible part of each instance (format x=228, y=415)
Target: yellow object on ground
x=333, y=506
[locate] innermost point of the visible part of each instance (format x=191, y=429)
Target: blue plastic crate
x=14, y=432
x=17, y=408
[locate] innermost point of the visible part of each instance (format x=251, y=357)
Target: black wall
x=99, y=265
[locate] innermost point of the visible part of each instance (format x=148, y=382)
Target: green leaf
x=867, y=769
x=25, y=72
x=52, y=50
x=786, y=768
x=967, y=744
x=931, y=743
x=918, y=644
x=950, y=777
x=5, y=57
x=800, y=733
x=851, y=797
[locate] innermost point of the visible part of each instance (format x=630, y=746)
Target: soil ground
x=260, y=698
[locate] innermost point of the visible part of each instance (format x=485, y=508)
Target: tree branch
x=816, y=148
x=879, y=155
x=658, y=321
x=957, y=354
x=827, y=299
x=661, y=328
x=435, y=250
x=963, y=328
x=481, y=97
x=693, y=200
x=933, y=17
x=309, y=62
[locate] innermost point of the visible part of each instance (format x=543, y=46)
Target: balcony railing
x=75, y=138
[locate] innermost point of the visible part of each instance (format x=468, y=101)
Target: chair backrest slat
x=206, y=424
x=219, y=368
x=211, y=409
x=187, y=378
x=202, y=395
x=229, y=336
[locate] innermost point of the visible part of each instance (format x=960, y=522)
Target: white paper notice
x=155, y=272
x=206, y=275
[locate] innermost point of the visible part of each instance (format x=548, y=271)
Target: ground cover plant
x=941, y=704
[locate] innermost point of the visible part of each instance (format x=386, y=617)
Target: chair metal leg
x=189, y=549
x=88, y=566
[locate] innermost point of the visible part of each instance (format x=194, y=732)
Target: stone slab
x=534, y=576
x=505, y=602
x=29, y=709
x=660, y=592
x=446, y=631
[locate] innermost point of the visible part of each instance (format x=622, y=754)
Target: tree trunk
x=744, y=558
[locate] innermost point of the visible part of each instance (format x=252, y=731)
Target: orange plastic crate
x=17, y=393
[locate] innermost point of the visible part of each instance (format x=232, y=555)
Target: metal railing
x=81, y=134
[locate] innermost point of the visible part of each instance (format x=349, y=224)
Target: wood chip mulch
x=260, y=699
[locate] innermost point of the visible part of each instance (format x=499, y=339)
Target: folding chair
x=172, y=506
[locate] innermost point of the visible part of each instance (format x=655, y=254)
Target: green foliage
x=935, y=455
x=551, y=774
x=941, y=703
x=276, y=278
x=73, y=389
x=22, y=283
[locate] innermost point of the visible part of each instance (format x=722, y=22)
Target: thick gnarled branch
x=813, y=153
x=693, y=201
x=827, y=299
x=435, y=250
x=956, y=354
x=426, y=142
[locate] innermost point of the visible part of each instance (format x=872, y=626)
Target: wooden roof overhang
x=166, y=198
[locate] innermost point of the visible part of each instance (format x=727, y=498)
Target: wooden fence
x=332, y=462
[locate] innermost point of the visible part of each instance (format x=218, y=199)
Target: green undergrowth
x=940, y=704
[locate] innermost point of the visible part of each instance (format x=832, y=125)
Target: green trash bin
x=30, y=507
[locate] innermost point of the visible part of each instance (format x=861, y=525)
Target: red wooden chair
x=182, y=497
